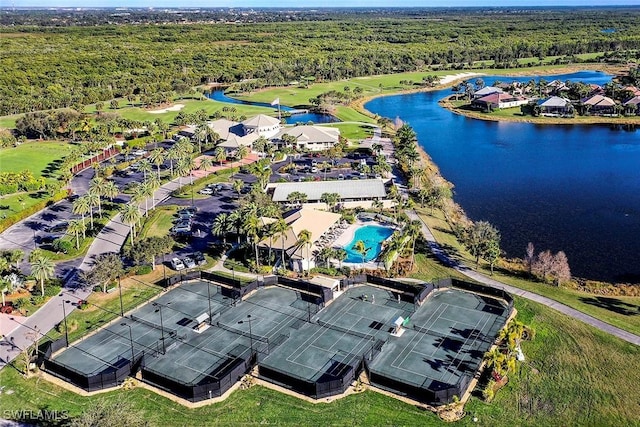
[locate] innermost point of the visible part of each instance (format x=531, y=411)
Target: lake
x=563, y=187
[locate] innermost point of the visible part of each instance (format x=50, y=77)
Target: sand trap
x=453, y=77
x=176, y=107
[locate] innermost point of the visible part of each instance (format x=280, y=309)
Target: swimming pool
x=372, y=236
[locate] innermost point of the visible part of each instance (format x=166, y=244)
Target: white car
x=139, y=153
x=177, y=264
x=206, y=191
x=188, y=262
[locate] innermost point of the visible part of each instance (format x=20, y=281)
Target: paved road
x=481, y=278
x=110, y=239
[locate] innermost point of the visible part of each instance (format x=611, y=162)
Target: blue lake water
x=372, y=236
x=218, y=95
x=562, y=187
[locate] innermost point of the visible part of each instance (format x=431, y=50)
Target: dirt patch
x=176, y=107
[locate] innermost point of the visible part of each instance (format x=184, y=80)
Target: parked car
x=177, y=264
x=199, y=258
x=139, y=153
x=206, y=191
x=182, y=227
x=314, y=170
x=188, y=262
x=340, y=177
x=192, y=210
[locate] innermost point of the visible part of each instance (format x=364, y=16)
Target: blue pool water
x=373, y=236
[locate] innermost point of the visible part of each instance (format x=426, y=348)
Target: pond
x=218, y=95
x=562, y=187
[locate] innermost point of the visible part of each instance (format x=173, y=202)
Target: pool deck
x=347, y=236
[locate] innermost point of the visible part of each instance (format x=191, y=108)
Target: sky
x=310, y=3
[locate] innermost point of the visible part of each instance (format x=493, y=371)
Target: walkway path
x=481, y=278
x=17, y=331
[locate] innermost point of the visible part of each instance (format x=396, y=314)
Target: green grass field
x=573, y=375
x=37, y=156
x=618, y=311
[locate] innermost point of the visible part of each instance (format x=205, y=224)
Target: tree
x=157, y=158
x=130, y=215
x=221, y=226
x=114, y=104
x=106, y=268
x=560, y=271
x=42, y=268
x=530, y=257
x=543, y=264
x=340, y=254
x=110, y=190
x=148, y=249
x=413, y=231
x=492, y=253
x=220, y=154
x=237, y=186
x=330, y=199
x=77, y=227
x=304, y=240
x=480, y=237
x=206, y=163
x=362, y=249
x=96, y=188
x=280, y=228
x=144, y=166
x=15, y=255
x=297, y=197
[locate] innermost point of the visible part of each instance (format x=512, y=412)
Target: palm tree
x=361, y=248
x=340, y=254
x=144, y=166
x=131, y=215
x=235, y=221
x=172, y=154
x=237, y=186
x=201, y=134
x=304, y=239
x=220, y=154
x=280, y=228
x=157, y=158
x=330, y=199
x=242, y=153
x=413, y=230
x=250, y=225
x=221, y=226
x=110, y=190
x=152, y=183
x=325, y=255
x=97, y=188
x=16, y=255
x=76, y=227
x=205, y=163
x=92, y=200
x=42, y=268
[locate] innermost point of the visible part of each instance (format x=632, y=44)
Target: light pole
x=191, y=183
x=66, y=329
x=130, y=340
x=120, y=291
x=209, y=301
x=155, y=304
x=249, y=320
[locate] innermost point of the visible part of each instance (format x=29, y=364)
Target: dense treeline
x=74, y=66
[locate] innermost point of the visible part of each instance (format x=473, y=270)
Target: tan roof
x=316, y=222
x=313, y=134
x=234, y=141
x=261, y=120
x=324, y=281
x=599, y=100
x=224, y=127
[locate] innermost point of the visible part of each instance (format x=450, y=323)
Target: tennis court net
x=345, y=330
x=243, y=333
x=168, y=331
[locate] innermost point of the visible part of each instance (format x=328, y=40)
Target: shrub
x=20, y=302
x=51, y=290
x=489, y=391
x=62, y=245
x=143, y=269
x=37, y=299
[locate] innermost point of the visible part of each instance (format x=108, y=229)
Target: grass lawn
x=348, y=114
x=190, y=106
x=9, y=122
x=38, y=156
x=199, y=184
x=574, y=375
x=159, y=222
x=353, y=132
x=622, y=312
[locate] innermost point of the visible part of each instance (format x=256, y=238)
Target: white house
x=310, y=138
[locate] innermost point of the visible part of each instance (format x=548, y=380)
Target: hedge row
x=27, y=212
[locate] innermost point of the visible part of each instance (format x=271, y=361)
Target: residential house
x=599, y=105
x=487, y=90
x=498, y=100
x=555, y=106
x=632, y=106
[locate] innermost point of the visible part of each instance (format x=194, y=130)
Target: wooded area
x=75, y=64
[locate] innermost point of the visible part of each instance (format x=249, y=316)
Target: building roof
x=599, y=100
x=234, y=141
x=633, y=101
x=312, y=134
x=486, y=91
x=325, y=281
x=497, y=98
x=348, y=189
x=554, y=101
x=224, y=128
x=316, y=222
x=260, y=121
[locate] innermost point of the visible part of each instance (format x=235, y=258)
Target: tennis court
x=177, y=354
x=442, y=345
x=324, y=356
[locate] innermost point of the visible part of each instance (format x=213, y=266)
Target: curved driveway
x=481, y=278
